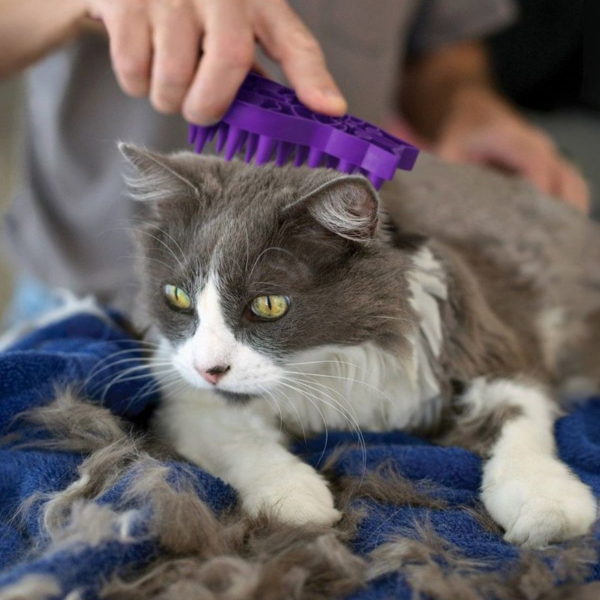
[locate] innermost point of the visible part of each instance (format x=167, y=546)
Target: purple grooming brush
x=267, y=118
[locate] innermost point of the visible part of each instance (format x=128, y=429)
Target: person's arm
x=449, y=98
x=29, y=29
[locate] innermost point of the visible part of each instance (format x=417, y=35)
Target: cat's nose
x=214, y=374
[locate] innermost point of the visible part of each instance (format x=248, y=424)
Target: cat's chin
x=235, y=397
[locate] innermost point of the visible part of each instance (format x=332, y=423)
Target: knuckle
x=302, y=45
x=303, y=41
x=131, y=68
x=174, y=4
x=309, y=45
x=238, y=53
x=130, y=6
x=164, y=104
x=203, y=112
x=174, y=73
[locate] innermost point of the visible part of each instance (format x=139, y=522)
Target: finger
x=176, y=51
x=571, y=187
x=535, y=159
x=521, y=155
x=451, y=150
x=130, y=47
x=287, y=40
x=538, y=169
x=228, y=48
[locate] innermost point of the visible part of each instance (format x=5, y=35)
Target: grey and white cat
x=286, y=296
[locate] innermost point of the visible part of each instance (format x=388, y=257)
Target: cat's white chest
x=359, y=387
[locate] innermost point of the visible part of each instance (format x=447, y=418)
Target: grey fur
x=526, y=254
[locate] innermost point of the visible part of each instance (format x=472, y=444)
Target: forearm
x=31, y=28
x=436, y=81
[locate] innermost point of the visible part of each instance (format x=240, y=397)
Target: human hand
x=155, y=47
x=481, y=128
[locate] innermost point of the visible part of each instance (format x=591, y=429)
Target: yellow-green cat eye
x=270, y=307
x=177, y=298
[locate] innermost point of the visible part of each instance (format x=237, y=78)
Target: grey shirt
x=69, y=223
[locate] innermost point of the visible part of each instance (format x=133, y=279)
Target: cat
x=286, y=300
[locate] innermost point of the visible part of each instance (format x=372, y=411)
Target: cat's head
x=247, y=271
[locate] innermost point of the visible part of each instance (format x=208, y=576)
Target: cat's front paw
x=551, y=506
x=297, y=495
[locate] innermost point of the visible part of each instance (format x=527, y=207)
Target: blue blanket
x=76, y=351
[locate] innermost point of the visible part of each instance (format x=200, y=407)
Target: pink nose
x=214, y=374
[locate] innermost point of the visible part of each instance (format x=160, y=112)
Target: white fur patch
x=428, y=286
x=551, y=325
x=347, y=387
x=243, y=445
x=526, y=488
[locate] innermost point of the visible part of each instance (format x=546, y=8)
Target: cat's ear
x=347, y=206
x=155, y=177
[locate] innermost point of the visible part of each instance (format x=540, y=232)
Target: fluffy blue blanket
x=76, y=351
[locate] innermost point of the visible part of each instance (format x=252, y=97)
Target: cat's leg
x=526, y=489
x=245, y=447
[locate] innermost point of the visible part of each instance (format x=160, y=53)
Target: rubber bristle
x=301, y=156
x=201, y=136
x=331, y=162
x=315, y=157
x=212, y=132
x=265, y=148
x=251, y=145
x=376, y=181
x=284, y=151
x=346, y=167
x=222, y=137
x=235, y=141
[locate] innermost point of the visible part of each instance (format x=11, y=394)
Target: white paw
x=550, y=505
x=297, y=495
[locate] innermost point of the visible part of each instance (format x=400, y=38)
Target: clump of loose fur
x=202, y=554
x=230, y=556
x=437, y=569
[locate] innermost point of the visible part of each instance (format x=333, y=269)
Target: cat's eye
x=270, y=307
x=177, y=298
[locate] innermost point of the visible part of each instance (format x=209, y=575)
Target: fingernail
x=201, y=120
x=335, y=98
x=198, y=117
